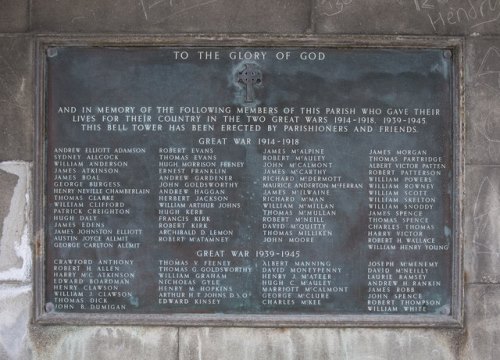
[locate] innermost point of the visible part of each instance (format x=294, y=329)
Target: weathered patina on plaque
x=268, y=181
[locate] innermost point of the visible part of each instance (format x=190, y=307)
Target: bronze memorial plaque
x=249, y=185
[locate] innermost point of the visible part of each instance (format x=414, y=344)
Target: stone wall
x=478, y=21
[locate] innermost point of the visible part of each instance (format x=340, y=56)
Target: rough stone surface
x=16, y=93
x=104, y=343
x=285, y=16
x=479, y=339
x=8, y=183
x=482, y=318
x=14, y=15
x=15, y=251
x=483, y=101
x=15, y=305
x=274, y=344
x=368, y=17
x=482, y=224
x=450, y=17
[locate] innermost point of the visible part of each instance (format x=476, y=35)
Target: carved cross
x=250, y=76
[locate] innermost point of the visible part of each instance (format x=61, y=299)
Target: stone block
x=15, y=251
x=8, y=183
x=482, y=224
x=160, y=16
x=15, y=305
x=252, y=343
x=274, y=344
x=104, y=343
x=14, y=15
x=482, y=101
x=482, y=314
x=16, y=98
x=417, y=17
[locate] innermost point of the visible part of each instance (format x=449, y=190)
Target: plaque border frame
x=454, y=44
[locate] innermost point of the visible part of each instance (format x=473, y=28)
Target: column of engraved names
x=297, y=196
x=196, y=188
x=85, y=192
x=298, y=215
x=383, y=202
x=66, y=211
x=404, y=190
